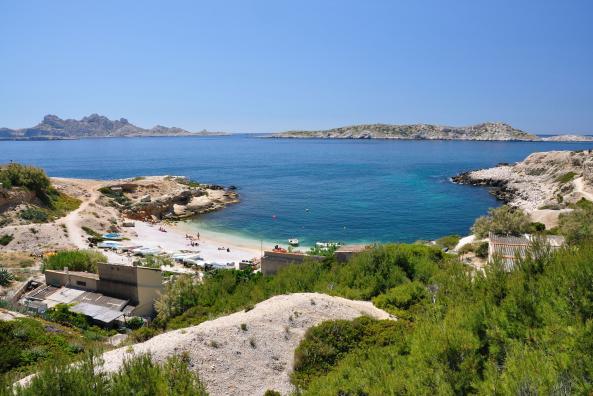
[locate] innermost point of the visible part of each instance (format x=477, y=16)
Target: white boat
x=293, y=242
x=109, y=245
x=220, y=265
x=144, y=251
x=199, y=262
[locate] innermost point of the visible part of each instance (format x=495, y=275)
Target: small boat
x=114, y=236
x=293, y=242
x=109, y=245
x=144, y=251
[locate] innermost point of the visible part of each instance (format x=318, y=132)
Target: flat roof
x=88, y=275
x=97, y=312
x=352, y=248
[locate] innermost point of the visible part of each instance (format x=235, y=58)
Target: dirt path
x=73, y=220
x=579, y=186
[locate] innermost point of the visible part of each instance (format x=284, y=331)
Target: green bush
x=25, y=342
x=565, y=178
x=143, y=334
x=5, y=277
x=34, y=214
x=74, y=260
x=481, y=250
x=134, y=323
x=502, y=221
x=6, y=239
x=61, y=314
x=449, y=241
x=139, y=375
x=402, y=298
x=29, y=177
x=577, y=226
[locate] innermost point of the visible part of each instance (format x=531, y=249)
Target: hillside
x=485, y=131
x=93, y=126
x=247, y=353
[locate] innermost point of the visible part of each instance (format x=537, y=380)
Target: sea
x=349, y=191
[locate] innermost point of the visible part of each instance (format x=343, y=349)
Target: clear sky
x=263, y=66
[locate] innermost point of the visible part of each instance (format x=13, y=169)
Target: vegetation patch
x=566, y=178
x=74, y=260
x=139, y=375
x=449, y=241
x=6, y=239
x=6, y=277
x=502, y=221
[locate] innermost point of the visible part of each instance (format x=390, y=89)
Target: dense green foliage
x=6, y=277
x=6, y=239
x=529, y=331
x=29, y=177
x=577, y=226
x=54, y=203
x=502, y=221
x=61, y=314
x=186, y=302
x=74, y=260
x=25, y=342
x=449, y=241
x=324, y=345
x=139, y=375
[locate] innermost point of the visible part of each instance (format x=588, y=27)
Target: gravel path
x=232, y=361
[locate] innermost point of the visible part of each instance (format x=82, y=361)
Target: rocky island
x=488, y=131
x=485, y=131
x=93, y=126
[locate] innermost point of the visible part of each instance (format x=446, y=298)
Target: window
x=80, y=283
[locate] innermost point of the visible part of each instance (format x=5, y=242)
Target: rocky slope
x=548, y=180
x=233, y=361
x=485, y=131
x=53, y=127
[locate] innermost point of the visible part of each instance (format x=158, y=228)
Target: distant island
x=493, y=131
x=94, y=126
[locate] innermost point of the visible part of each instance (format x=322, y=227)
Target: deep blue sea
x=354, y=190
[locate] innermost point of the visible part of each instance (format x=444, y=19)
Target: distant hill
x=94, y=126
x=485, y=131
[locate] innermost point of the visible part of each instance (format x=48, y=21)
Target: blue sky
x=262, y=66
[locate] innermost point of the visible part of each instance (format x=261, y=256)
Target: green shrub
x=34, y=214
x=134, y=323
x=401, y=298
x=577, y=226
x=74, y=260
x=143, y=334
x=502, y=221
x=61, y=314
x=6, y=239
x=139, y=375
x=481, y=250
x=449, y=241
x=6, y=277
x=565, y=178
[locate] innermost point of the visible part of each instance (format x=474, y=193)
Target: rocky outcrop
x=95, y=125
x=484, y=131
x=166, y=197
x=548, y=180
x=16, y=196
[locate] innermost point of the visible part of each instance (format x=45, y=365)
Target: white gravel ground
x=232, y=361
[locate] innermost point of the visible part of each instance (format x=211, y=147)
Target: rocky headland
x=543, y=181
x=93, y=126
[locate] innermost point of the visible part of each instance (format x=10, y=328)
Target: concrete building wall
x=118, y=281
x=150, y=287
x=272, y=262
x=75, y=280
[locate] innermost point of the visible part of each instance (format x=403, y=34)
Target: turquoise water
x=355, y=190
